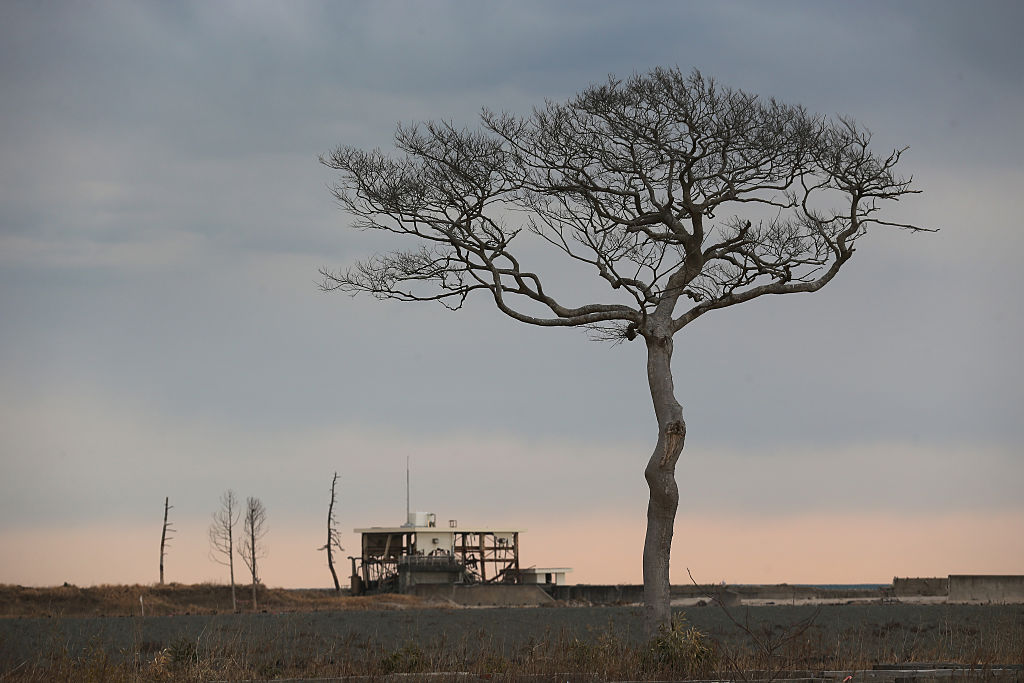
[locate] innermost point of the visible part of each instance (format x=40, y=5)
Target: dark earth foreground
x=991, y=634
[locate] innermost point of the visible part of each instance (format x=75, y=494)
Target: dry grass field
x=190, y=634
x=178, y=599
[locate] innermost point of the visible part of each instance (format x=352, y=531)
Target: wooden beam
x=515, y=552
x=483, y=561
x=366, y=571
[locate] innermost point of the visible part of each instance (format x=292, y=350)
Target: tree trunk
x=334, y=574
x=660, y=475
x=331, y=536
x=163, y=538
x=252, y=541
x=231, y=564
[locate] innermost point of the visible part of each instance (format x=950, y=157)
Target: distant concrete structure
x=919, y=587
x=957, y=588
x=1007, y=589
x=484, y=595
x=963, y=588
x=419, y=553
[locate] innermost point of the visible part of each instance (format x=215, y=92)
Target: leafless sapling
x=250, y=546
x=333, y=536
x=165, y=536
x=222, y=542
x=682, y=196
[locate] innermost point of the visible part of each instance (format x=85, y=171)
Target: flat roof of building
x=437, y=529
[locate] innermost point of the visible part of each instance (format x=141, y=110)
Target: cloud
x=55, y=447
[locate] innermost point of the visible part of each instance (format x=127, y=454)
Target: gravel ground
x=881, y=632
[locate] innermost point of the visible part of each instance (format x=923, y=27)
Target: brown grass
x=805, y=649
x=683, y=654
x=176, y=598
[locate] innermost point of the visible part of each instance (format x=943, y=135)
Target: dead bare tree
x=250, y=547
x=165, y=536
x=222, y=543
x=333, y=536
x=684, y=197
x=768, y=644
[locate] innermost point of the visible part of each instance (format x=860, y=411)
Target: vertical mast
x=407, y=510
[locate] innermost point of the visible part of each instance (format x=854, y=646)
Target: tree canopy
x=666, y=184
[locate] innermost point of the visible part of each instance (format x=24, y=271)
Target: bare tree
x=683, y=196
x=249, y=547
x=165, y=536
x=222, y=543
x=333, y=536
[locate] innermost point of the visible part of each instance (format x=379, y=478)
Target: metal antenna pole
x=407, y=510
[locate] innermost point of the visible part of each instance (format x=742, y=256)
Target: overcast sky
x=163, y=216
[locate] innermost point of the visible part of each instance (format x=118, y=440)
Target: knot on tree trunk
x=675, y=434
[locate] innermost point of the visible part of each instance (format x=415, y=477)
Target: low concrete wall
x=597, y=594
x=484, y=595
x=959, y=588
x=986, y=588
x=730, y=595
x=918, y=587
